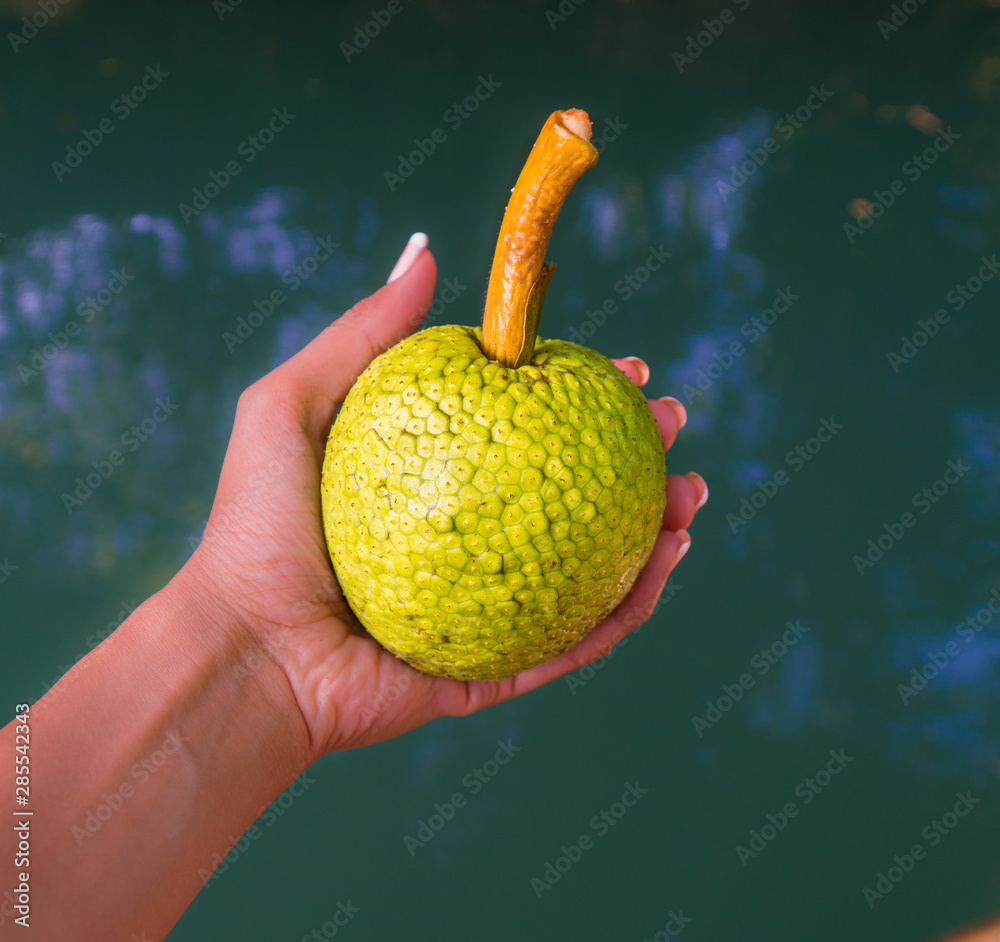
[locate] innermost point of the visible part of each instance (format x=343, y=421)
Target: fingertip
x=411, y=252
x=682, y=495
x=642, y=370
x=666, y=422
x=683, y=546
x=634, y=368
x=677, y=407
x=702, y=487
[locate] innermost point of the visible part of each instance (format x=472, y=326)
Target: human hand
x=263, y=563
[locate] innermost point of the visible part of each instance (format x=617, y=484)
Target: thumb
x=321, y=374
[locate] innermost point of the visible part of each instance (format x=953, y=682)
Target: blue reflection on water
x=787, y=706
x=950, y=721
x=74, y=412
x=68, y=393
x=171, y=258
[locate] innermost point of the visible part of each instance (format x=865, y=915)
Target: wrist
x=233, y=660
x=151, y=759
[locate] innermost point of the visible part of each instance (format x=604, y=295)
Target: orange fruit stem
x=519, y=277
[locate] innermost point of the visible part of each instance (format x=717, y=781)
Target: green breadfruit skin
x=481, y=519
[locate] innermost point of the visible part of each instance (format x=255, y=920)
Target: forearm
x=153, y=755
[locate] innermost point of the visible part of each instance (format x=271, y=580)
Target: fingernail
x=701, y=483
x=417, y=243
x=685, y=539
x=679, y=410
x=643, y=369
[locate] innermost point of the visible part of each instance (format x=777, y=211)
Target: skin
x=221, y=689
x=988, y=931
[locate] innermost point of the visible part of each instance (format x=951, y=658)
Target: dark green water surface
x=853, y=455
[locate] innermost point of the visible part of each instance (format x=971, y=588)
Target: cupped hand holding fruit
x=264, y=557
x=250, y=664
x=493, y=503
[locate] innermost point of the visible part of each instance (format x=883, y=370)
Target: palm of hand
x=264, y=555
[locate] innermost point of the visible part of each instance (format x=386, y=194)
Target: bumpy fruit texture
x=482, y=519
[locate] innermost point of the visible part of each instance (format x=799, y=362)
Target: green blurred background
x=675, y=133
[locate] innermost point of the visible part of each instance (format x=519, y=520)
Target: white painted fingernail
x=704, y=494
x=417, y=243
x=685, y=544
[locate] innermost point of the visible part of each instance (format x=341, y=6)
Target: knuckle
x=265, y=398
